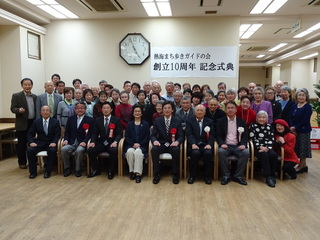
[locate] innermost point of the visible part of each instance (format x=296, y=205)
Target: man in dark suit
x=166, y=137
x=107, y=132
x=23, y=106
x=49, y=98
x=200, y=135
x=232, y=137
x=213, y=111
x=43, y=135
x=76, y=136
x=185, y=112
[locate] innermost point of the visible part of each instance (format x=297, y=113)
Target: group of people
x=103, y=115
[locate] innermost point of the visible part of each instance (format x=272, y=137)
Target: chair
x=186, y=159
x=164, y=157
x=231, y=158
x=254, y=159
x=7, y=137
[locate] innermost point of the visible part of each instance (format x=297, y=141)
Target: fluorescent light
x=50, y=2
x=277, y=47
x=260, y=6
x=244, y=27
x=51, y=11
x=315, y=27
x=151, y=9
x=302, y=34
x=35, y=2
x=309, y=56
x=64, y=11
x=254, y=27
x=275, y=6
x=164, y=8
x=260, y=56
x=279, y=65
x=250, y=30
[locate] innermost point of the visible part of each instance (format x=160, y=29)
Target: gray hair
x=232, y=90
x=305, y=91
x=286, y=88
x=258, y=89
x=185, y=98
x=262, y=112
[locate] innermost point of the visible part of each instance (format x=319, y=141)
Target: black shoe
x=66, y=172
x=191, y=180
x=94, y=173
x=175, y=179
x=47, y=174
x=302, y=170
x=132, y=176
x=240, y=180
x=225, y=180
x=110, y=174
x=156, y=179
x=78, y=174
x=270, y=182
x=33, y=175
x=207, y=180
x=138, y=179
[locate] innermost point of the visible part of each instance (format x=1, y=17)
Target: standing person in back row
x=23, y=106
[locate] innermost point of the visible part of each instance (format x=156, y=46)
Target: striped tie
x=167, y=125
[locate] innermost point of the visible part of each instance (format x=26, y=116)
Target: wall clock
x=134, y=49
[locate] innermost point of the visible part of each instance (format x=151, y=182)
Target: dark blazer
x=180, y=115
x=142, y=138
x=276, y=109
x=218, y=114
x=286, y=111
x=100, y=134
x=72, y=132
x=159, y=130
x=42, y=101
x=222, y=130
x=43, y=140
x=19, y=100
x=193, y=132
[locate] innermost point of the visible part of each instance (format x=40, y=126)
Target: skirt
x=303, y=146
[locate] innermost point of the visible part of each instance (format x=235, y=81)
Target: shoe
x=66, y=172
x=132, y=176
x=156, y=179
x=33, y=175
x=207, y=180
x=240, y=180
x=138, y=179
x=302, y=170
x=225, y=180
x=47, y=174
x=23, y=166
x=191, y=180
x=175, y=179
x=110, y=175
x=78, y=174
x=270, y=182
x=94, y=173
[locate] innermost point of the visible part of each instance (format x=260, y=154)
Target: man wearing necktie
x=200, y=136
x=43, y=135
x=185, y=112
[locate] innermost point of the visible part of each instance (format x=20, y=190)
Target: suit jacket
x=19, y=100
x=159, y=132
x=142, y=138
x=43, y=140
x=42, y=101
x=193, y=131
x=100, y=134
x=72, y=132
x=180, y=115
x=222, y=130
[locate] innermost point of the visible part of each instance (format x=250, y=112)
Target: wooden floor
x=97, y=208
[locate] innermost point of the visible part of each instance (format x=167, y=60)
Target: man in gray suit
x=23, y=106
x=49, y=98
x=185, y=112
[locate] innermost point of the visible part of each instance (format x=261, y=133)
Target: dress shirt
x=30, y=103
x=231, y=138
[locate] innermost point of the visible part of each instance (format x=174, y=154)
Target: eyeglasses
x=269, y=93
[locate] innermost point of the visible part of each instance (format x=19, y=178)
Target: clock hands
x=134, y=48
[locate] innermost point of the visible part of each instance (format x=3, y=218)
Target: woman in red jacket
x=286, y=140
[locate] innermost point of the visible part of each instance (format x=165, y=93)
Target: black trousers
x=288, y=167
x=99, y=148
x=207, y=156
x=50, y=160
x=175, y=153
x=268, y=162
x=22, y=144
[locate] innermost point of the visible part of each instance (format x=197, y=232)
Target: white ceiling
x=276, y=27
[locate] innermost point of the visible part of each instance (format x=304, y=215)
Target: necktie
x=51, y=104
x=106, y=124
x=45, y=127
x=167, y=125
x=200, y=126
x=78, y=121
x=185, y=116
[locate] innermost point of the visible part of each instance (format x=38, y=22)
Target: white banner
x=194, y=62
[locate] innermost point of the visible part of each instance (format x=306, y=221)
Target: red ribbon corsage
x=173, y=132
x=111, y=127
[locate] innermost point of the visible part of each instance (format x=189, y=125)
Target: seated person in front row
x=200, y=135
x=48, y=132
x=106, y=134
x=166, y=137
x=77, y=134
x=232, y=137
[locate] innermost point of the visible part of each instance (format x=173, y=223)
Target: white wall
x=89, y=49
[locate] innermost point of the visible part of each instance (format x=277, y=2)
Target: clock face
x=134, y=49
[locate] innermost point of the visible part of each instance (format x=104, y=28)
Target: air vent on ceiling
x=102, y=5
x=314, y=3
x=211, y=3
x=210, y=12
x=258, y=48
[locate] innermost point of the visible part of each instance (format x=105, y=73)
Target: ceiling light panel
x=164, y=9
x=275, y=6
x=151, y=9
x=277, y=47
x=260, y=6
x=51, y=11
x=309, y=56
